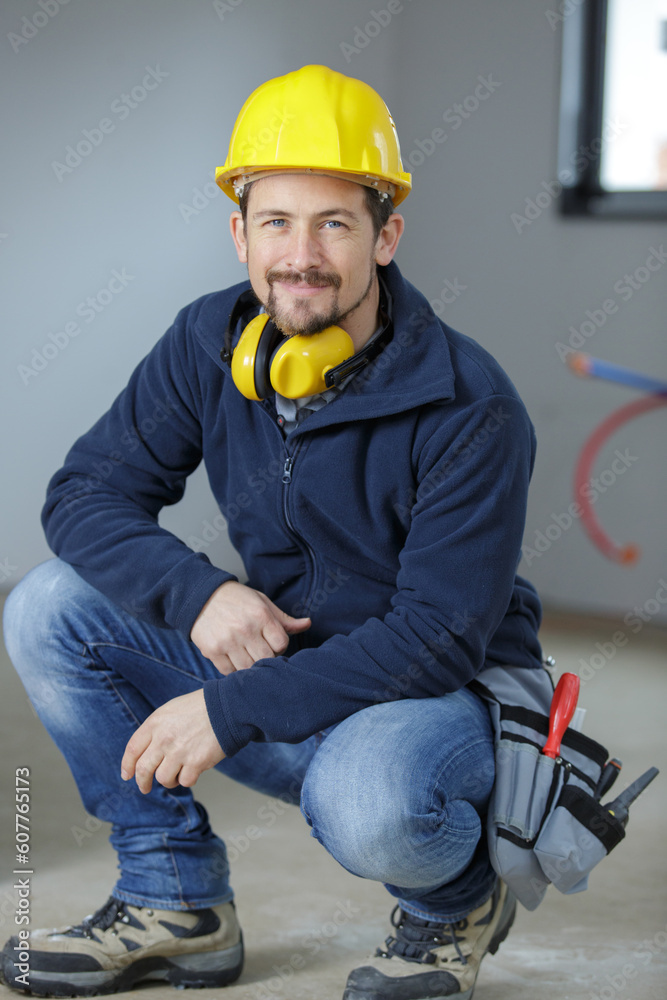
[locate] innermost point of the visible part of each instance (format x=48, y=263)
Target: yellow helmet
x=320, y=121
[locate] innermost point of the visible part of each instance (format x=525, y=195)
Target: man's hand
x=176, y=744
x=238, y=626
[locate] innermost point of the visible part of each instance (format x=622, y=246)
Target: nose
x=303, y=251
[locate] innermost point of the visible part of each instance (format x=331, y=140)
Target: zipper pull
x=287, y=469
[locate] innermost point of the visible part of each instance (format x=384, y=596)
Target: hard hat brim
x=231, y=180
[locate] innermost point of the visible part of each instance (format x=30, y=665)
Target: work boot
x=121, y=945
x=426, y=960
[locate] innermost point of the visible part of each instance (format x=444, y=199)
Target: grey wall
x=127, y=207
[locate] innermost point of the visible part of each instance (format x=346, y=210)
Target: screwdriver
x=619, y=807
x=563, y=704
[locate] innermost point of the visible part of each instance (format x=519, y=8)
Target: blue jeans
x=396, y=793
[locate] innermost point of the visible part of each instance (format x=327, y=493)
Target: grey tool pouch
x=544, y=824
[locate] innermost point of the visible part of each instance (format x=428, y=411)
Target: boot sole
x=195, y=971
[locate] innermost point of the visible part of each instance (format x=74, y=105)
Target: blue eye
x=276, y=223
x=333, y=222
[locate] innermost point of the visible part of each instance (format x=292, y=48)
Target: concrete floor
x=609, y=943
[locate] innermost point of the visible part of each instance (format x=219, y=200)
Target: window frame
x=581, y=125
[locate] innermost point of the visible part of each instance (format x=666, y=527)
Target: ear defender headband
x=265, y=360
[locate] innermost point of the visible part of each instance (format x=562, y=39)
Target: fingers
x=168, y=773
x=238, y=626
x=240, y=658
x=293, y=625
x=133, y=751
x=248, y=645
x=175, y=745
x=287, y=622
x=145, y=768
x=188, y=776
x=272, y=641
x=143, y=758
x=222, y=664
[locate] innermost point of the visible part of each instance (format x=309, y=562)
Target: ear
x=237, y=230
x=387, y=241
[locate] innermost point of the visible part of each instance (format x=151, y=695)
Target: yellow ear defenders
x=265, y=360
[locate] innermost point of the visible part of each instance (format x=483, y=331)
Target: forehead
x=306, y=193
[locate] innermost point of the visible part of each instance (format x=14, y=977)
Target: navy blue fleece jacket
x=393, y=517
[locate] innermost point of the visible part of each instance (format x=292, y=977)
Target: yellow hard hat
x=320, y=121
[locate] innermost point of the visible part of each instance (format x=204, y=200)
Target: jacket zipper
x=287, y=479
x=288, y=466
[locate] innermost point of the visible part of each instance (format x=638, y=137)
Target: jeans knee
x=358, y=827
x=390, y=803
x=36, y=608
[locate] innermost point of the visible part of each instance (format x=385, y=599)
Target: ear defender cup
x=300, y=364
x=265, y=361
x=250, y=358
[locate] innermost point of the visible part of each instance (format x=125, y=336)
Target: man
x=377, y=497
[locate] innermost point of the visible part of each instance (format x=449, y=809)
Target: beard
x=301, y=317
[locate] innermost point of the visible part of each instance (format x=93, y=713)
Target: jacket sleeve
x=101, y=511
x=454, y=587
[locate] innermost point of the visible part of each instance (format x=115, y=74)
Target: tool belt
x=545, y=825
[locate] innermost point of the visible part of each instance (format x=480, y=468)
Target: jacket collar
x=415, y=368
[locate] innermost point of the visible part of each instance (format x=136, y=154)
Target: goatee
x=300, y=318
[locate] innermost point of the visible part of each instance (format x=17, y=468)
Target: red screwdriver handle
x=563, y=705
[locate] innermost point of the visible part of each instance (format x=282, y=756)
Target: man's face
x=311, y=253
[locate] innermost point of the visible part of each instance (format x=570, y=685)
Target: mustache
x=308, y=277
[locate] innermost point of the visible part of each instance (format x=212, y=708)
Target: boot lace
x=103, y=919
x=415, y=939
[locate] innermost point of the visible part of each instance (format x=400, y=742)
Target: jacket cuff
x=198, y=597
x=222, y=725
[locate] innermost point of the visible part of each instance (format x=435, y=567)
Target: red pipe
x=624, y=554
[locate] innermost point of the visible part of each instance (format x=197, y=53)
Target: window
x=612, y=155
